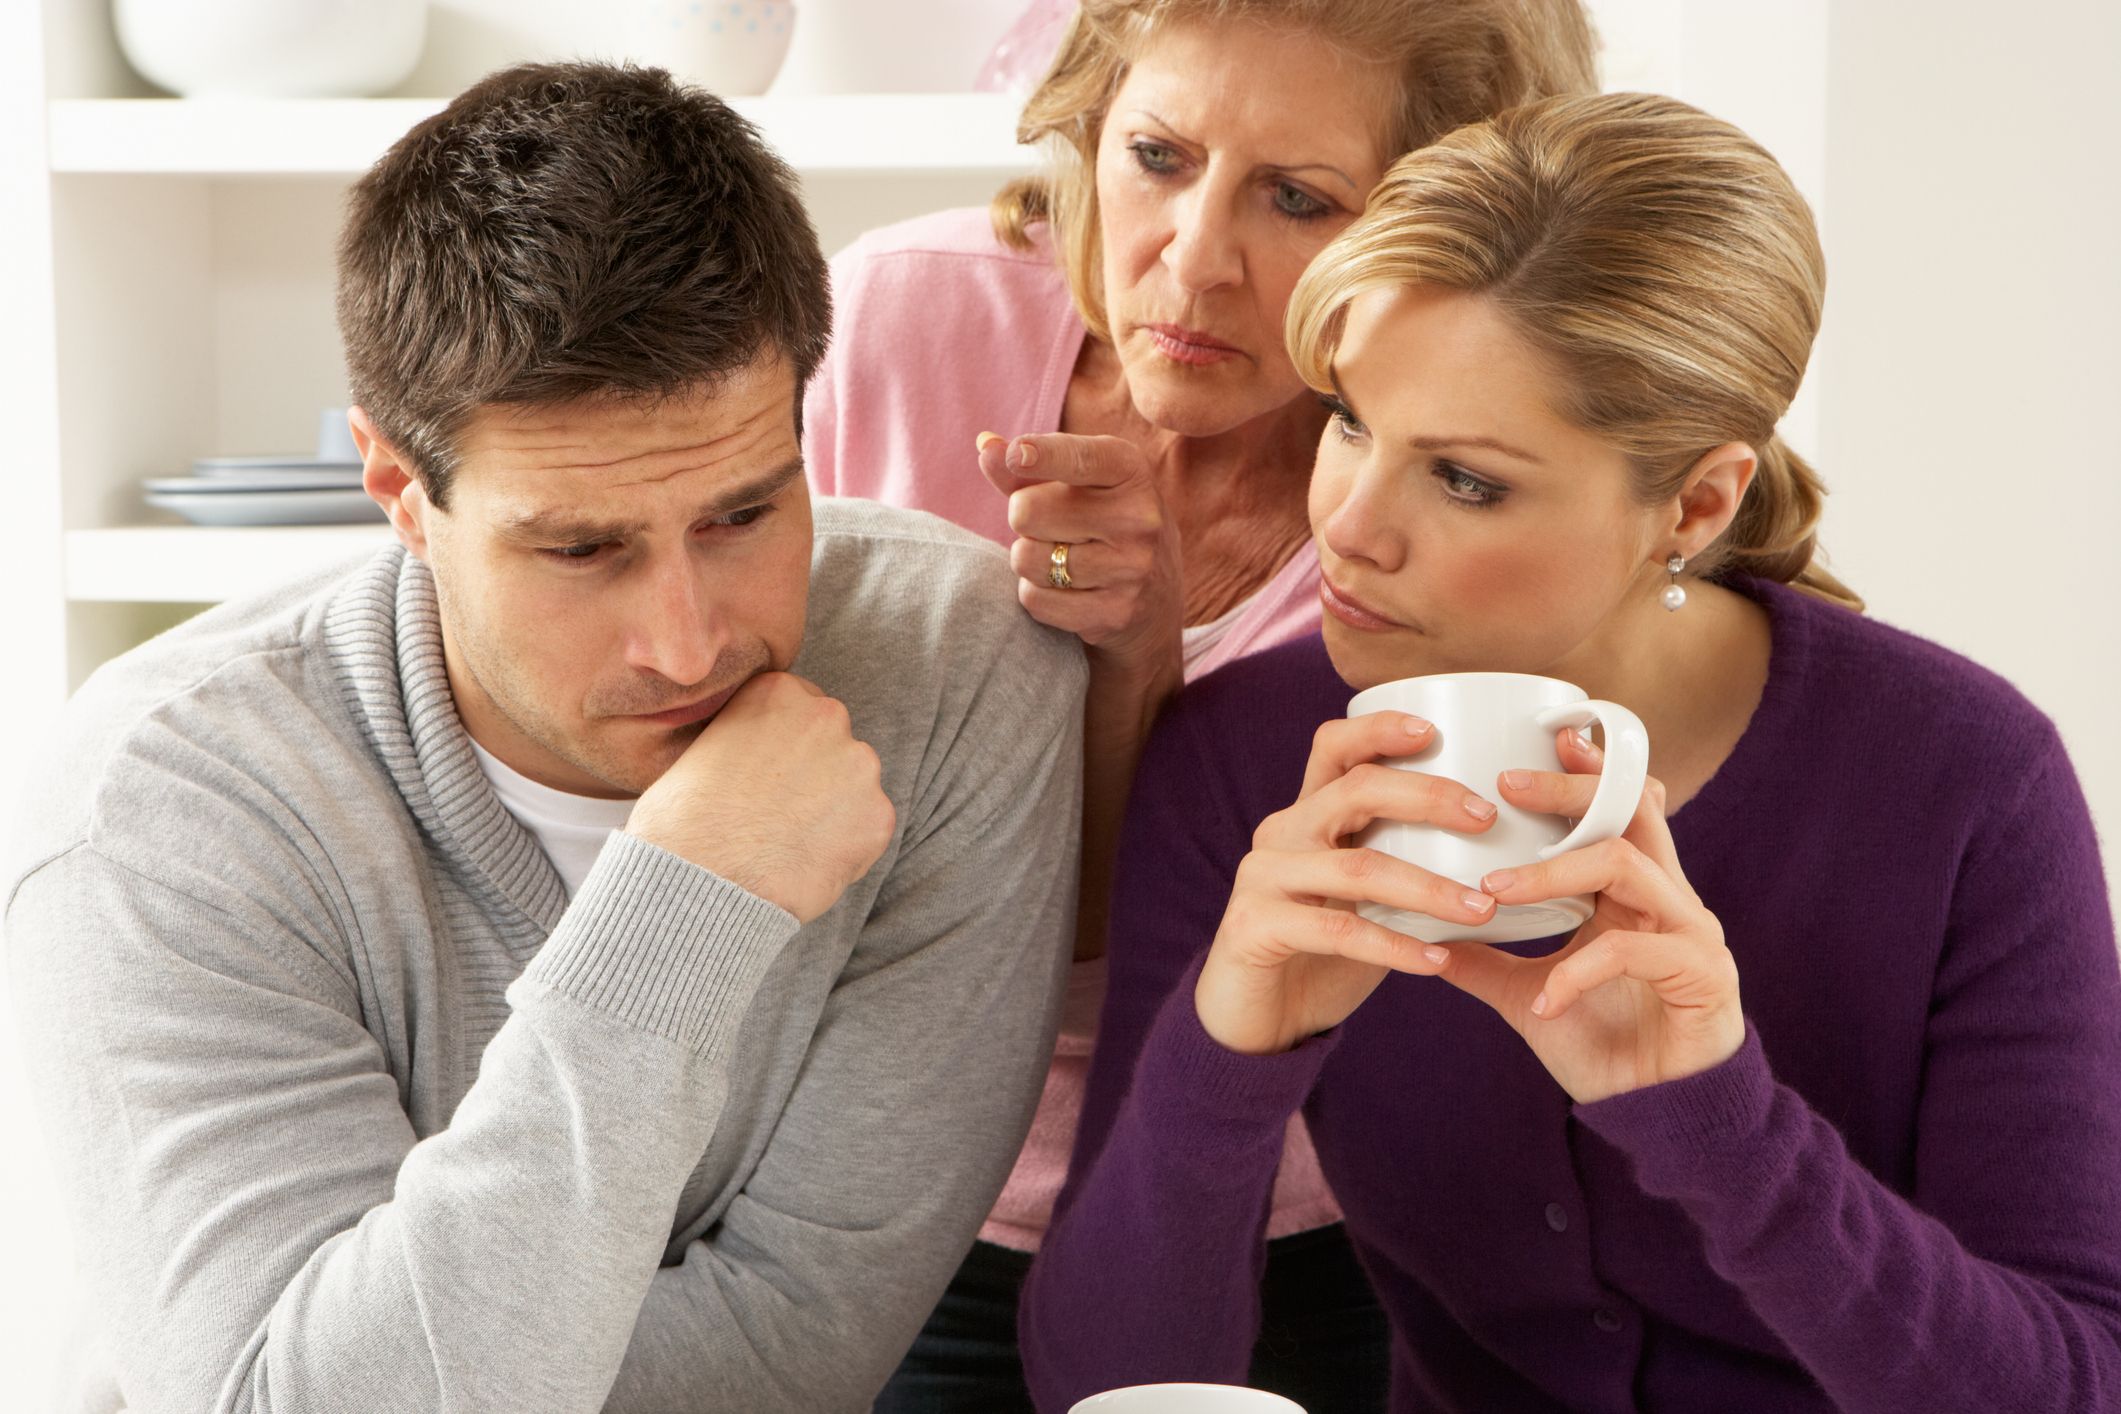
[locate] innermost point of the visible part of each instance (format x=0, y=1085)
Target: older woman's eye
x=1153, y=156
x=1296, y=203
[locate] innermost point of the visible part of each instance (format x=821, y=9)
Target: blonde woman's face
x=1230, y=155
x=1462, y=524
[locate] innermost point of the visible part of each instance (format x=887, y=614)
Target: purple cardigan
x=1903, y=1193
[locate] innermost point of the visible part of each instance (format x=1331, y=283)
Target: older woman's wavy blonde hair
x=1459, y=61
x=1659, y=260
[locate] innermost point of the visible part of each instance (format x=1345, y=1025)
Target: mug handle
x=1627, y=769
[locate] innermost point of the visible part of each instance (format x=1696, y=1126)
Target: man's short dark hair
x=563, y=232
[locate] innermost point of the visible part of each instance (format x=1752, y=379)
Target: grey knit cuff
x=661, y=944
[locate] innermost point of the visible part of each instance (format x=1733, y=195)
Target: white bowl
x=732, y=48
x=273, y=48
x=1186, y=1399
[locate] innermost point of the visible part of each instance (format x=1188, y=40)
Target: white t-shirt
x=1199, y=640
x=571, y=828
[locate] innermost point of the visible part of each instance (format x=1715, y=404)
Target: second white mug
x=1185, y=1399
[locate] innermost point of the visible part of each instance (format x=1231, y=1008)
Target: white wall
x=35, y=1295
x=1970, y=358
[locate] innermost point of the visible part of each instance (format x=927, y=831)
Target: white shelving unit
x=820, y=135
x=196, y=564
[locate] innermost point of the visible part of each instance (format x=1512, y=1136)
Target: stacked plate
x=266, y=491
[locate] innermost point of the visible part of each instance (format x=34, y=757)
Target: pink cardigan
x=941, y=333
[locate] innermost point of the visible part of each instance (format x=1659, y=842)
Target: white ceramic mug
x=1488, y=723
x=1185, y=1399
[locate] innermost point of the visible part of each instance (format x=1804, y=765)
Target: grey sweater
x=357, y=1112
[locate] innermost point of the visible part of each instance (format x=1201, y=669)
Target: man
x=382, y=1079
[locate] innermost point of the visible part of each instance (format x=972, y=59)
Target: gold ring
x=1057, y=569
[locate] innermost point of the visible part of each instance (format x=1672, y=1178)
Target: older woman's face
x=1462, y=524
x=1230, y=155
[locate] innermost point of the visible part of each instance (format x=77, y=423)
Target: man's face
x=608, y=574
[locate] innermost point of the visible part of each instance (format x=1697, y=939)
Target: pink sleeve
x=821, y=399
x=939, y=334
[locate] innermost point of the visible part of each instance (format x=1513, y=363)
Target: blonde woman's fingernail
x=1436, y=955
x=984, y=438
x=1023, y=454
x=1539, y=1005
x=1480, y=809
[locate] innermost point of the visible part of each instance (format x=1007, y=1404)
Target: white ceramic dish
x=272, y=48
x=231, y=483
x=331, y=506
x=230, y=466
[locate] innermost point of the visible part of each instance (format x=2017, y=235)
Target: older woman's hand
x=1646, y=991
x=1125, y=596
x=1292, y=958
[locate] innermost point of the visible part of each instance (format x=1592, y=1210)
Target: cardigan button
x=1607, y=1320
x=1557, y=1217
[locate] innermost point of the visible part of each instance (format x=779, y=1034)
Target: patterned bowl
x=729, y=47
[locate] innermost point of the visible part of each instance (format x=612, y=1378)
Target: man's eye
x=748, y=516
x=576, y=554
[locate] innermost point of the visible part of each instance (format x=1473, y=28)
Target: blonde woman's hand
x=1292, y=958
x=1097, y=496
x=1646, y=991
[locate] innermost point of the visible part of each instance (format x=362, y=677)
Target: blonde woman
x=1117, y=322
x=1822, y=1108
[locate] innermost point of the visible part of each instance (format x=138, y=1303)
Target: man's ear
x=388, y=478
x=1708, y=500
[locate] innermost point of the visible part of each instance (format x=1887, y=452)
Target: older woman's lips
x=1182, y=345
x=1352, y=612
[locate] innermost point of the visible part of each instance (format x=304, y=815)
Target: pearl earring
x=1674, y=593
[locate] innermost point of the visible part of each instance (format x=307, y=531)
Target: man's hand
x=775, y=796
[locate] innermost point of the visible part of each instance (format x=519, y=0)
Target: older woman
x=1119, y=319
x=1821, y=1108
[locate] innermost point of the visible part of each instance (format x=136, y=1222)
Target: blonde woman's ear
x=1709, y=499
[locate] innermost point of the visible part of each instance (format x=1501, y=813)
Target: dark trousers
x=1323, y=1339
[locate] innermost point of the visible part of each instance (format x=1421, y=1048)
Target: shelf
x=826, y=134
x=188, y=564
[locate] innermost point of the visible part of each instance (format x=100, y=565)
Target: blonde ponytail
x=1775, y=534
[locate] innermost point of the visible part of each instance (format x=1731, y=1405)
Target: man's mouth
x=690, y=713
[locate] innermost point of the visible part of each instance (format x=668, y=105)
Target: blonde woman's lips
x=1351, y=611
x=1191, y=346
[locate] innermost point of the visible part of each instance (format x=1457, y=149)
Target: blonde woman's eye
x=1296, y=203
x=1344, y=420
x=1467, y=489
x=1153, y=156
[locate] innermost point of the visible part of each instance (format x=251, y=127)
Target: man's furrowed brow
x=565, y=527
x=758, y=490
